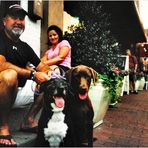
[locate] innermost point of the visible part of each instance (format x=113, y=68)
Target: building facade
x=41, y=15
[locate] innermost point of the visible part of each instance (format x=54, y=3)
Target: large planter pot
x=100, y=102
x=142, y=83
x=137, y=85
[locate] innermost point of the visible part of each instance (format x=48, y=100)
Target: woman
x=58, y=55
x=60, y=51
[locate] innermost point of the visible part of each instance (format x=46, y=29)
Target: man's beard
x=15, y=32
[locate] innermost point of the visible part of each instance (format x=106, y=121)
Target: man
x=133, y=65
x=14, y=56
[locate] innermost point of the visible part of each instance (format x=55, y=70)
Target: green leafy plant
x=113, y=80
x=139, y=75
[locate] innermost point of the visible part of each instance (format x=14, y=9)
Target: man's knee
x=9, y=77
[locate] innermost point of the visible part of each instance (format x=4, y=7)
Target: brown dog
x=82, y=113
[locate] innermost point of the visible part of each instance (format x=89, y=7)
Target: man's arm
x=22, y=72
x=136, y=64
x=39, y=77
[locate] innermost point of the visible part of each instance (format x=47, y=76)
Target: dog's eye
x=77, y=76
x=76, y=79
x=88, y=80
x=64, y=92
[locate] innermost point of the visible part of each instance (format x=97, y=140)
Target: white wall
x=69, y=20
x=143, y=11
x=32, y=31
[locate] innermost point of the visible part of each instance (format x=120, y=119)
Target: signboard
x=125, y=87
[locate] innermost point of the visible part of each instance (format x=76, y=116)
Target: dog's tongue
x=59, y=102
x=83, y=96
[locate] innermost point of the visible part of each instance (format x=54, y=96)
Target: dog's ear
x=94, y=75
x=44, y=85
x=68, y=74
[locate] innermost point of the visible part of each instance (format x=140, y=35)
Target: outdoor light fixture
x=35, y=9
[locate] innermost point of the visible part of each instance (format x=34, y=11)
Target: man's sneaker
x=135, y=92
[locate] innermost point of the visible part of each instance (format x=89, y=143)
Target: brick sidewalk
x=126, y=125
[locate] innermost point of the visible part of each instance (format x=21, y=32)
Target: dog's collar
x=55, y=75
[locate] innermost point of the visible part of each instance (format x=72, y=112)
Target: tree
x=92, y=41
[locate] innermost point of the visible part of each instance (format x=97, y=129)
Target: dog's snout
x=82, y=90
x=83, y=83
x=82, y=86
x=60, y=92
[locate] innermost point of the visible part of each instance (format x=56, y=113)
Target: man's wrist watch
x=32, y=75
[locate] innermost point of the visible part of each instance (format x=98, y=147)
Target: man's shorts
x=132, y=76
x=25, y=95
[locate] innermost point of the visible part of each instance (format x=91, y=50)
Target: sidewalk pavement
x=126, y=125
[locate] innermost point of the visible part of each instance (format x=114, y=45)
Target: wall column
x=52, y=15
x=55, y=13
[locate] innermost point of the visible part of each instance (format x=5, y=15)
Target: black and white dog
x=55, y=127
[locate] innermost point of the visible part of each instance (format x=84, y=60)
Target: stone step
x=16, y=117
x=23, y=139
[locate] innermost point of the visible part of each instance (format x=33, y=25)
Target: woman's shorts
x=25, y=95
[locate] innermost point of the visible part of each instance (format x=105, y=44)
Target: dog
x=55, y=127
x=82, y=113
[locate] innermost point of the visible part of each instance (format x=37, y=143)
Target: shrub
x=93, y=43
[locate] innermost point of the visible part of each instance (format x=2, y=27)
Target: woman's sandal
x=7, y=137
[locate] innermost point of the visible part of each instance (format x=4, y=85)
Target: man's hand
x=43, y=67
x=41, y=77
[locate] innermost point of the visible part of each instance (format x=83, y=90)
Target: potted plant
x=114, y=82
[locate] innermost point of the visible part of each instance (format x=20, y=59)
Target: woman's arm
x=44, y=58
x=62, y=55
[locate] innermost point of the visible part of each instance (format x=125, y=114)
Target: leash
x=53, y=76
x=36, y=92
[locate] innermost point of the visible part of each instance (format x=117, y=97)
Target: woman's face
x=53, y=37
